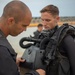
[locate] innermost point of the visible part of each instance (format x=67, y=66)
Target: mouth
x=45, y=27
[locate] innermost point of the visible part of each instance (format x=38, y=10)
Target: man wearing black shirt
x=38, y=31
x=14, y=20
x=50, y=18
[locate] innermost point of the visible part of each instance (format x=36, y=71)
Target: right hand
x=18, y=60
x=41, y=72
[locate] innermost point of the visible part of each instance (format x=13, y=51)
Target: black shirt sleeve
x=69, y=45
x=7, y=63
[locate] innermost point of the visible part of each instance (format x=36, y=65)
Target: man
x=14, y=20
x=38, y=31
x=50, y=18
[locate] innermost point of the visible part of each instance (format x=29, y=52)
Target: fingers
x=18, y=60
x=41, y=71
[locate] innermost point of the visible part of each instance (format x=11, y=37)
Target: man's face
x=48, y=20
x=40, y=28
x=17, y=28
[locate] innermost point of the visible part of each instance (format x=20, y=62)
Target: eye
x=47, y=20
x=24, y=25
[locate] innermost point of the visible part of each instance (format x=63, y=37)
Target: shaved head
x=16, y=9
x=15, y=18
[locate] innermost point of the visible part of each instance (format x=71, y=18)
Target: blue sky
x=66, y=7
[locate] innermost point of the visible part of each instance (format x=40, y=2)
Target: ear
x=11, y=21
x=58, y=18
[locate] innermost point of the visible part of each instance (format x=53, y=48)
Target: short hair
x=51, y=9
x=39, y=25
x=15, y=9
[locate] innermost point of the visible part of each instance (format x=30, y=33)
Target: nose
x=44, y=23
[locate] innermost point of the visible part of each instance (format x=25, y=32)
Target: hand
x=18, y=60
x=41, y=72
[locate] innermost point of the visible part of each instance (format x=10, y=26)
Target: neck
x=3, y=27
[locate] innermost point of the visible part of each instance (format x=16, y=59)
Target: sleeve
x=7, y=64
x=32, y=72
x=69, y=45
